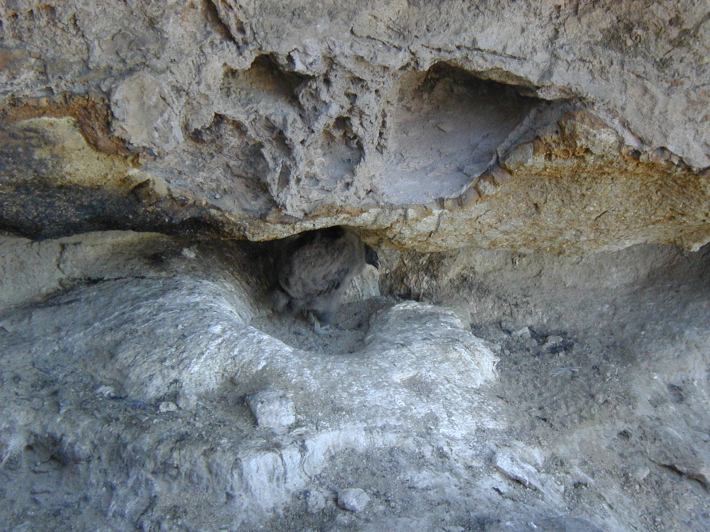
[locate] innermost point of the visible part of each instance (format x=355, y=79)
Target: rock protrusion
x=353, y=499
x=272, y=409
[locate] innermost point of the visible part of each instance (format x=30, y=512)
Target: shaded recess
x=264, y=80
x=444, y=128
x=338, y=153
x=41, y=211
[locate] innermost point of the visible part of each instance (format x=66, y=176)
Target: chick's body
x=313, y=270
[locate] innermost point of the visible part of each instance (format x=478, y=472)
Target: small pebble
x=353, y=499
x=522, y=333
x=106, y=391
x=553, y=344
x=167, y=406
x=272, y=409
x=517, y=470
x=109, y=392
x=640, y=473
x=189, y=253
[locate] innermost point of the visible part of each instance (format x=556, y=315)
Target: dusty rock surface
x=564, y=126
x=180, y=334
x=133, y=365
x=532, y=354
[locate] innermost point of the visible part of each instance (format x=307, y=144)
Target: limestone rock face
x=151, y=375
x=531, y=354
x=144, y=383
x=431, y=125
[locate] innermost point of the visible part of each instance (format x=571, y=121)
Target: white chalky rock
x=272, y=409
x=353, y=499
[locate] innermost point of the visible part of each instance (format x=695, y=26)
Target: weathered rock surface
x=133, y=366
x=558, y=126
x=125, y=345
x=527, y=357
x=272, y=409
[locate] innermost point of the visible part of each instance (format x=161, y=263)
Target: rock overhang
x=426, y=137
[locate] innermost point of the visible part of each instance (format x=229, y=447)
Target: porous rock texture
x=532, y=354
x=518, y=125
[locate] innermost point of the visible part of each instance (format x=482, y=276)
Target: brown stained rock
x=425, y=138
x=60, y=155
x=580, y=188
x=91, y=113
x=55, y=183
x=12, y=59
x=574, y=187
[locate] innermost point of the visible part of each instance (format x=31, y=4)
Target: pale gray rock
x=553, y=344
x=353, y=499
x=108, y=391
x=517, y=470
x=523, y=333
x=191, y=50
x=314, y=269
x=551, y=524
x=103, y=333
x=315, y=501
x=513, y=161
x=272, y=409
x=145, y=113
x=167, y=406
x=182, y=336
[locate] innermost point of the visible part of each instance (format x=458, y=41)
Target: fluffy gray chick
x=314, y=268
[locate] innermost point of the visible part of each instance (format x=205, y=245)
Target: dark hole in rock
x=359, y=297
